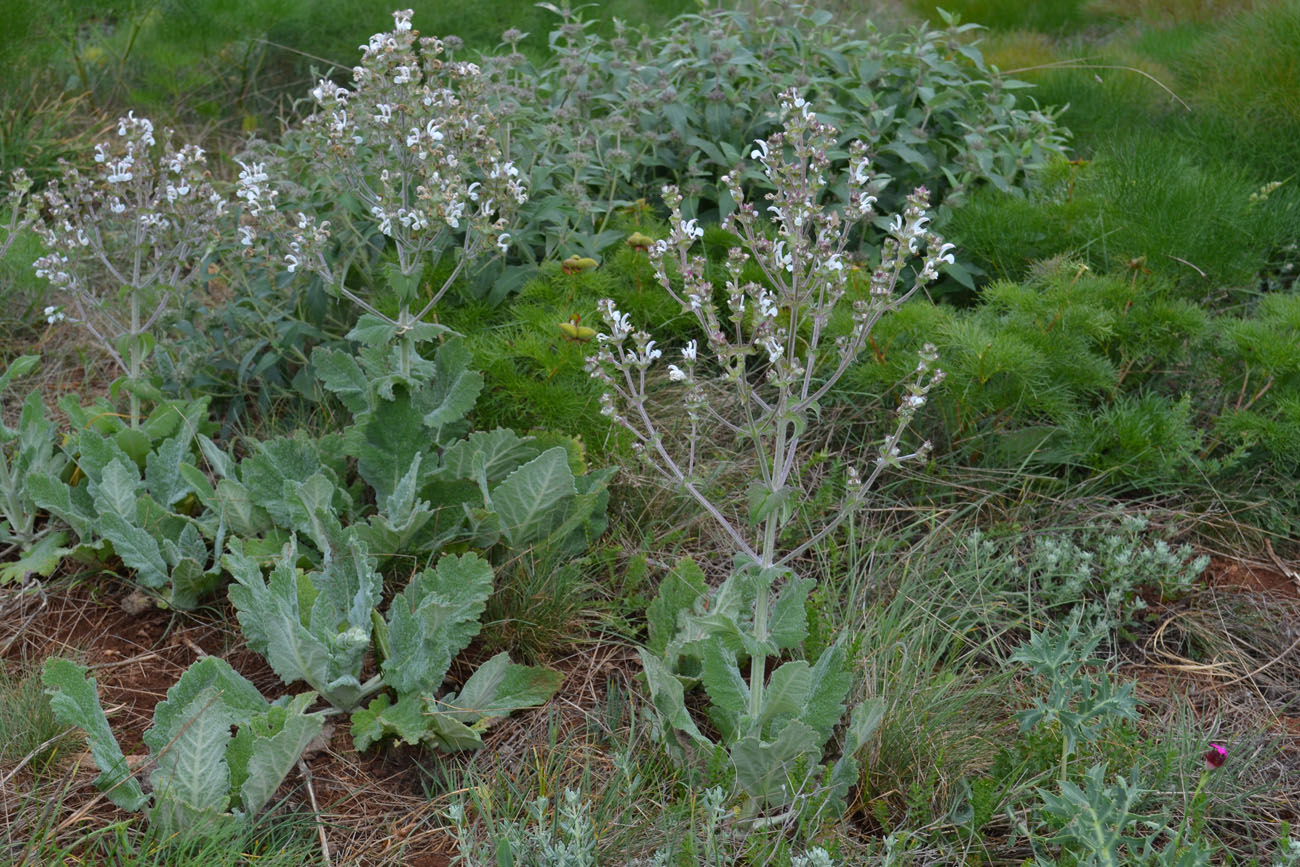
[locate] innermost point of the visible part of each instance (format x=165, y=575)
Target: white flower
x=676, y=374
x=503, y=242
x=688, y=353
x=760, y=152
x=691, y=230
x=292, y=261
x=944, y=255
x=53, y=315
x=121, y=172
x=247, y=235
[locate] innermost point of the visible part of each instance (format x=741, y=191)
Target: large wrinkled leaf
x=310, y=509
x=41, y=559
x=117, y=489
x=235, y=503
x=680, y=591
x=339, y=373
x=455, y=387
x=95, y=452
x=727, y=690
x=266, y=748
x=786, y=695
x=433, y=619
x=188, y=741
x=830, y=684
x=191, y=780
x=394, y=437
x=405, y=720
x=162, y=471
x=71, y=505
x=240, y=698
x=311, y=627
x=498, y=452
x=75, y=702
x=788, y=624
x=581, y=519
x=136, y=547
x=766, y=770
x=190, y=583
x=668, y=697
x=499, y=688
x=280, y=466
x=218, y=461
x=525, y=500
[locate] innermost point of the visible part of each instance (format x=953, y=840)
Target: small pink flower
x=1216, y=756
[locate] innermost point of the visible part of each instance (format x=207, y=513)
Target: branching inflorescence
x=143, y=222
x=413, y=140
x=774, y=342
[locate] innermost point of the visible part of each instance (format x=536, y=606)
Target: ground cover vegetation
x=761, y=434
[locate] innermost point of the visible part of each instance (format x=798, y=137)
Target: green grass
x=28, y=730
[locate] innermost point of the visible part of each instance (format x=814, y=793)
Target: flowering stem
x=134, y=353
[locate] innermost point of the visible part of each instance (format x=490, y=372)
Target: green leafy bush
x=203, y=778
x=317, y=626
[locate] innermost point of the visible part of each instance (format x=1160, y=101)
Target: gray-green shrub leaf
x=313, y=627
x=382, y=718
x=765, y=770
x=75, y=702
x=265, y=749
x=500, y=452
x=41, y=559
x=668, y=697
x=191, y=781
x=680, y=591
x=433, y=619
x=137, y=549
x=498, y=688
x=339, y=373
x=525, y=498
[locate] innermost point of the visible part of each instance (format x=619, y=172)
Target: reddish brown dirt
x=1257, y=577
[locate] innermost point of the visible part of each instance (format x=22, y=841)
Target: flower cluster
x=142, y=223
x=777, y=342
x=414, y=141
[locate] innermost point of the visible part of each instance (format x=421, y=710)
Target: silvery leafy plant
x=124, y=239
x=202, y=777
x=316, y=627
x=772, y=353
x=416, y=144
